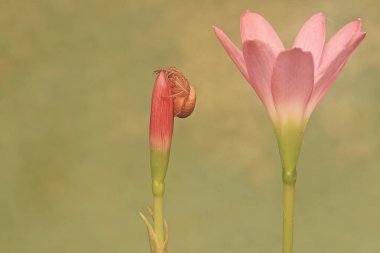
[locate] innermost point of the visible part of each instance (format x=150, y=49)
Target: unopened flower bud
x=161, y=129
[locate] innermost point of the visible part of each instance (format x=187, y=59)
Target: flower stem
x=158, y=215
x=289, y=189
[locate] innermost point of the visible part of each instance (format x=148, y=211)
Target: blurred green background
x=75, y=86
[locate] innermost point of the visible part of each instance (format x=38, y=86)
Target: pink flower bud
x=161, y=130
x=161, y=115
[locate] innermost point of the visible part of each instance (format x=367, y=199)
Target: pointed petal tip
x=253, y=26
x=359, y=36
x=247, y=11
x=160, y=73
x=232, y=50
x=322, y=16
x=319, y=15
x=360, y=23
x=218, y=32
x=311, y=37
x=357, y=23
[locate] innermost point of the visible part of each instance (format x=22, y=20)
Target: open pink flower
x=291, y=82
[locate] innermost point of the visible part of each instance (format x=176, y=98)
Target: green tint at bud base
x=289, y=139
x=159, y=161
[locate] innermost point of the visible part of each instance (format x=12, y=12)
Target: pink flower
x=291, y=82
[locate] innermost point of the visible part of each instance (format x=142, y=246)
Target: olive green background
x=75, y=86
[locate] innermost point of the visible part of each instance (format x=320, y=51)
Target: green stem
x=158, y=215
x=289, y=189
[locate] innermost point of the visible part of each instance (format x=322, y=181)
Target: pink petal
x=234, y=52
x=311, y=37
x=260, y=58
x=329, y=70
x=337, y=43
x=255, y=27
x=292, y=84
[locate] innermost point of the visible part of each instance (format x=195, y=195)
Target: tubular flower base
x=290, y=82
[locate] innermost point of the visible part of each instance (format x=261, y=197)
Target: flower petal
x=255, y=27
x=311, y=37
x=234, y=52
x=292, y=84
x=260, y=58
x=329, y=70
x=337, y=43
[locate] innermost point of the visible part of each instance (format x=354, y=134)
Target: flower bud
x=161, y=129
